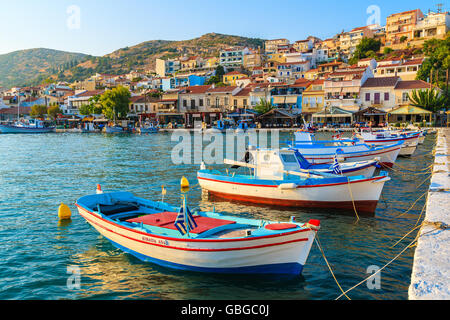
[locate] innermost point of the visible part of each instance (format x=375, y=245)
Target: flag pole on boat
x=184, y=183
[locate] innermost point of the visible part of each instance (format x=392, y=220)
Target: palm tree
x=263, y=106
x=429, y=99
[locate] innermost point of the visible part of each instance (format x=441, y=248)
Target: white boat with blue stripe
x=174, y=237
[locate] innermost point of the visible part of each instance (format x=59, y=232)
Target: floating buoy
x=99, y=189
x=184, y=183
x=64, y=212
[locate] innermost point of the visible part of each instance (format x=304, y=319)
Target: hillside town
x=326, y=82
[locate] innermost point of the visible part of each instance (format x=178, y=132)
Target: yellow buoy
x=184, y=184
x=64, y=212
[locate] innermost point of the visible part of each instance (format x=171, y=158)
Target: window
x=200, y=102
x=225, y=101
x=208, y=102
x=184, y=103
x=146, y=108
x=132, y=107
x=192, y=103
x=386, y=96
x=405, y=97
x=245, y=102
x=368, y=96
x=235, y=102
x=289, y=158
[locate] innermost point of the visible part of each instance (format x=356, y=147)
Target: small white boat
x=148, y=128
x=113, y=129
x=273, y=185
x=382, y=138
x=28, y=126
x=321, y=151
x=173, y=237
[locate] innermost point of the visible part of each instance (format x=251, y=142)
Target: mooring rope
x=437, y=225
x=353, y=201
x=316, y=239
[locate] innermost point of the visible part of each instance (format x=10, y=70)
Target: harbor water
x=38, y=172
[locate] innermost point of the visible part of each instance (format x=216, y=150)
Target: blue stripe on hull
x=279, y=268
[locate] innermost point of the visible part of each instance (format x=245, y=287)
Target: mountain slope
x=23, y=67
x=30, y=67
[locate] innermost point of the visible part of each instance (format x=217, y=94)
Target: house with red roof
x=405, y=69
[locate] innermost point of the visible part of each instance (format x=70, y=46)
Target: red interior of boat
x=167, y=220
x=281, y=226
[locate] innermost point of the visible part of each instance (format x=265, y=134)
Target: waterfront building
x=167, y=67
x=433, y=25
x=233, y=57
x=400, y=28
x=404, y=88
x=379, y=93
x=289, y=96
x=313, y=99
x=342, y=87
x=231, y=77
x=73, y=103
x=303, y=45
x=219, y=99
x=407, y=70
x=271, y=46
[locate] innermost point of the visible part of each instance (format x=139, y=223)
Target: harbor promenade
x=430, y=279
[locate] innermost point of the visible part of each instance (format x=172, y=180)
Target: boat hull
x=16, y=129
x=364, y=194
x=285, y=253
x=387, y=155
x=408, y=148
x=147, y=130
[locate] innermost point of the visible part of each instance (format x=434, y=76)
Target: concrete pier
x=430, y=279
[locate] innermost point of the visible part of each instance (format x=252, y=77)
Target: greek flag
x=180, y=222
x=336, y=167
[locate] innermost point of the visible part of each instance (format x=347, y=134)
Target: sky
x=99, y=27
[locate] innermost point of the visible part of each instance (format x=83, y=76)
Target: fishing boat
x=291, y=160
x=222, y=126
x=382, y=138
x=113, y=129
x=324, y=151
x=28, y=126
x=148, y=128
x=174, y=237
x=273, y=185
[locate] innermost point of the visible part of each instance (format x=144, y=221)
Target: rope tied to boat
x=316, y=239
x=353, y=201
x=436, y=225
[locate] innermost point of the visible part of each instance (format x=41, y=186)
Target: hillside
x=24, y=67
x=142, y=56
x=31, y=67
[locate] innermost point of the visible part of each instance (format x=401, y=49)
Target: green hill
x=24, y=67
x=30, y=67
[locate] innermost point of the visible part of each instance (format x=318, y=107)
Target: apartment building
x=400, y=28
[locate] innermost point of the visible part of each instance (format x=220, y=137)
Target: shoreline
x=430, y=278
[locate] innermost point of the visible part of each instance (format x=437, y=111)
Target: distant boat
x=148, y=128
x=211, y=242
x=278, y=186
x=29, y=126
x=113, y=129
x=320, y=151
x=382, y=138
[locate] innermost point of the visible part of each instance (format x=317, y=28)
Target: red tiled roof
x=381, y=82
x=90, y=93
x=13, y=110
x=244, y=92
x=196, y=89
x=232, y=73
x=412, y=84
x=222, y=89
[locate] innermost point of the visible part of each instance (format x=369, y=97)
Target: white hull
x=259, y=255
x=364, y=193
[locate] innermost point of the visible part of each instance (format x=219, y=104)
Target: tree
x=115, y=102
x=220, y=72
x=365, y=48
x=387, y=50
x=38, y=111
x=85, y=110
x=437, y=62
x=403, y=39
x=263, y=106
x=53, y=111
x=95, y=107
x=429, y=99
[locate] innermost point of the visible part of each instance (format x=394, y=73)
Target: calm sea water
x=38, y=172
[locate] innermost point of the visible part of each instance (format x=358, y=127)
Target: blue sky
x=109, y=25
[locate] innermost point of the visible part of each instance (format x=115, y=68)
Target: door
x=377, y=98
